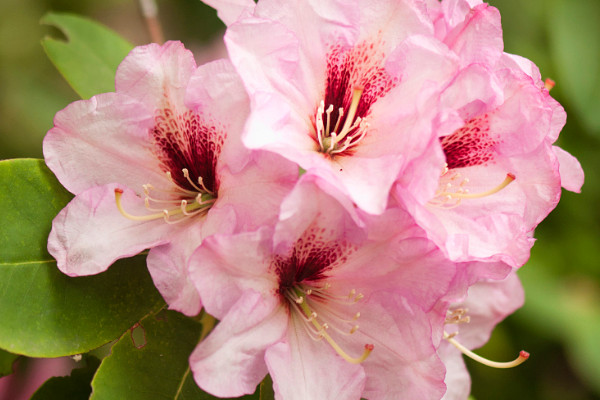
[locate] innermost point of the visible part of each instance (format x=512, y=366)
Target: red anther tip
x=117, y=190
x=524, y=354
x=369, y=347
x=512, y=176
x=549, y=83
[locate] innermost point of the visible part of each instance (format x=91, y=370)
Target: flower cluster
x=350, y=194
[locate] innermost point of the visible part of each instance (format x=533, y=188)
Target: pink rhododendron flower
x=340, y=87
x=500, y=174
x=469, y=323
x=159, y=164
x=331, y=310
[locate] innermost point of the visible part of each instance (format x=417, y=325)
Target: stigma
x=340, y=130
x=175, y=205
x=313, y=305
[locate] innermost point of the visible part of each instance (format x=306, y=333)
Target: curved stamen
x=464, y=195
x=523, y=355
x=186, y=175
x=166, y=214
x=321, y=328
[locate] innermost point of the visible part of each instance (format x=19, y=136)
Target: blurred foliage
x=560, y=322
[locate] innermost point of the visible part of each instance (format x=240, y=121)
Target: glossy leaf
x=43, y=312
x=89, y=59
x=6, y=362
x=153, y=359
x=74, y=387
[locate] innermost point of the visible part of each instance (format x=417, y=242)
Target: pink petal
x=230, y=361
x=479, y=38
x=255, y=193
x=167, y=265
x=156, y=75
x=102, y=140
x=488, y=302
x=302, y=368
x=403, y=364
x=458, y=380
x=571, y=173
x=230, y=11
x=90, y=233
x=216, y=91
x=225, y=266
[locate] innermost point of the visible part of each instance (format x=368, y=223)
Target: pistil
x=523, y=355
x=181, y=205
x=455, y=189
x=353, y=130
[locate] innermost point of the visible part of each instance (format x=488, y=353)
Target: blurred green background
x=560, y=322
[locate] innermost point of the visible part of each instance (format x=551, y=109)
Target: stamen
x=166, y=214
x=340, y=116
x=321, y=328
x=523, y=355
x=150, y=217
x=186, y=175
x=549, y=84
x=328, y=112
x=509, y=178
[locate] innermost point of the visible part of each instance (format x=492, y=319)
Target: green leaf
x=89, y=60
x=44, y=312
x=575, y=40
x=6, y=362
x=74, y=387
x=266, y=389
x=153, y=361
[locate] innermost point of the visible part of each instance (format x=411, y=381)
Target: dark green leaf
x=74, y=387
x=44, y=312
x=89, y=60
x=153, y=359
x=6, y=362
x=266, y=389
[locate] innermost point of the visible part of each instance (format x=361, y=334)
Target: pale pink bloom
x=499, y=173
x=331, y=310
x=159, y=164
x=470, y=323
x=341, y=88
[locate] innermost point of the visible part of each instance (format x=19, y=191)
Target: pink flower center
x=188, y=149
x=355, y=80
x=186, y=141
x=470, y=146
x=303, y=287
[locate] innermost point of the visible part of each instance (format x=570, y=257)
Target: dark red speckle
x=188, y=141
x=470, y=145
x=309, y=260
